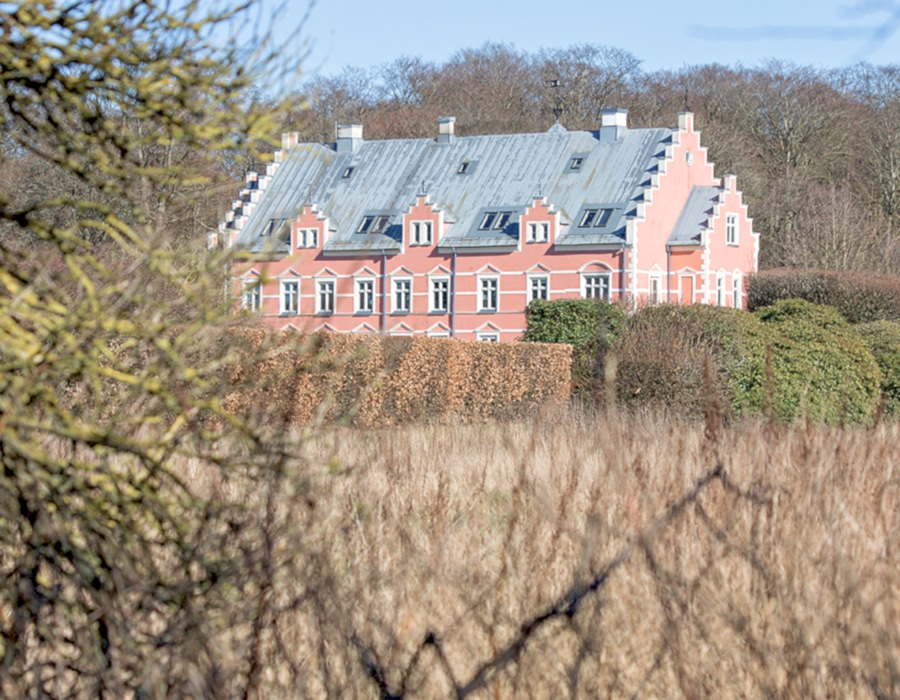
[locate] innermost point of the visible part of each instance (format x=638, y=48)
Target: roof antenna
x=557, y=109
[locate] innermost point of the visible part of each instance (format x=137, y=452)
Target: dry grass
x=425, y=554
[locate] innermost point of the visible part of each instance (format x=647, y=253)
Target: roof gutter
x=668, y=274
x=453, y=295
x=383, y=290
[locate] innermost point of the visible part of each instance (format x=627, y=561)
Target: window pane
x=326, y=297
x=402, y=295
x=488, y=221
x=366, y=224
x=588, y=219
x=502, y=220
x=440, y=295
x=596, y=286
x=289, y=296
x=603, y=218
x=489, y=294
x=365, y=296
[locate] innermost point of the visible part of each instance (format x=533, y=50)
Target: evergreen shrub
x=588, y=325
x=805, y=360
x=859, y=296
x=883, y=339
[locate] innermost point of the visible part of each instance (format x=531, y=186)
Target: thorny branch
x=565, y=607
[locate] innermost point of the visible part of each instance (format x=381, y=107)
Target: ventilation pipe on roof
x=349, y=138
x=613, y=124
x=445, y=129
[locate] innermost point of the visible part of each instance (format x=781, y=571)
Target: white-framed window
x=251, y=300
x=365, y=296
x=439, y=296
x=596, y=218
x=596, y=285
x=374, y=224
x=654, y=295
x=736, y=291
x=720, y=290
x=538, y=287
x=290, y=296
x=731, y=229
x=492, y=337
x=402, y=295
x=421, y=232
x=495, y=220
x=438, y=334
x=537, y=232
x=308, y=238
x=488, y=293
x=325, y=296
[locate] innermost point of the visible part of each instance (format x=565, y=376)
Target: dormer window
x=463, y=168
x=596, y=218
x=373, y=224
x=347, y=173
x=495, y=220
x=487, y=222
x=280, y=229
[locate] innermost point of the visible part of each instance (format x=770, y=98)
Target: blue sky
x=662, y=33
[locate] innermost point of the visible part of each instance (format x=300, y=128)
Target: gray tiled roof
x=506, y=172
x=695, y=216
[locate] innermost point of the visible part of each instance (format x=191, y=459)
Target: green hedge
x=793, y=359
x=861, y=297
x=588, y=325
x=883, y=339
x=805, y=361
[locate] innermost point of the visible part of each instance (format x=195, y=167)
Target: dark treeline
x=817, y=152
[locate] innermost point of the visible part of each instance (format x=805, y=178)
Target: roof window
x=495, y=220
x=463, y=168
x=576, y=163
x=280, y=229
x=348, y=172
x=596, y=218
x=373, y=224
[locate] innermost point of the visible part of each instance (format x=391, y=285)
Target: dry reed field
x=586, y=556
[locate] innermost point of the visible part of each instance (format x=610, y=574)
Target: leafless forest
x=817, y=153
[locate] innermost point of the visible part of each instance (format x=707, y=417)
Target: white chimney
x=613, y=124
x=445, y=129
x=349, y=138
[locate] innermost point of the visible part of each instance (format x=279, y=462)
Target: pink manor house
x=454, y=236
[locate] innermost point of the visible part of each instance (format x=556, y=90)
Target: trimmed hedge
x=883, y=339
x=373, y=380
x=861, y=297
x=588, y=325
